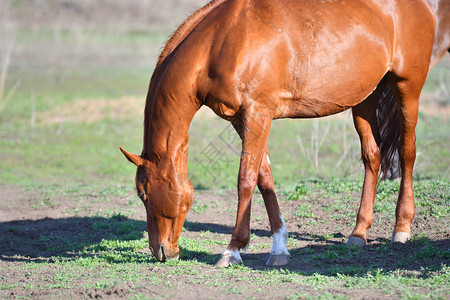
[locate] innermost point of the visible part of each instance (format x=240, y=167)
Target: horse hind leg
x=407, y=92
x=364, y=118
x=407, y=76
x=279, y=255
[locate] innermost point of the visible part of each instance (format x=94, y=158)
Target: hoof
x=356, y=240
x=229, y=258
x=400, y=237
x=226, y=261
x=277, y=260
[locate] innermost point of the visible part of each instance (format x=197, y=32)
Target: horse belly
x=325, y=95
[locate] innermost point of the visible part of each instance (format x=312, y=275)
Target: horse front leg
x=364, y=118
x=255, y=131
x=279, y=256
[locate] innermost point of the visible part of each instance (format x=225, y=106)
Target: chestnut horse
x=252, y=61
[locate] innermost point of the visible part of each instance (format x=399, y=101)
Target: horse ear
x=134, y=158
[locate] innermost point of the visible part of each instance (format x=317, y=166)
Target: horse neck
x=166, y=123
x=166, y=134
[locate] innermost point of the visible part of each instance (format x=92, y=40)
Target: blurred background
x=74, y=76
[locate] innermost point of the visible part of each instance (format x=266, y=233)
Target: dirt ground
x=26, y=217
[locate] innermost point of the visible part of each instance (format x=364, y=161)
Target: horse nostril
x=163, y=255
x=142, y=196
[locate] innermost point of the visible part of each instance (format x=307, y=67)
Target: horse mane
x=173, y=41
x=183, y=30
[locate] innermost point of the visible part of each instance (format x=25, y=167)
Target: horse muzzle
x=163, y=253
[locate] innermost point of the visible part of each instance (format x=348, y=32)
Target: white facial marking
x=280, y=240
x=232, y=253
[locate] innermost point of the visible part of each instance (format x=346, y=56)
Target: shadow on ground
x=220, y=228
x=42, y=240
x=45, y=238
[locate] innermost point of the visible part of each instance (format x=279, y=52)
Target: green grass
x=431, y=194
x=304, y=211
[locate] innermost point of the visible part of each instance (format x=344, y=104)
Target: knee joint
x=245, y=188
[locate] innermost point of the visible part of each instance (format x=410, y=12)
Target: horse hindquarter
x=411, y=59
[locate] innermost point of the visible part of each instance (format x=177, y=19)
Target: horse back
x=285, y=52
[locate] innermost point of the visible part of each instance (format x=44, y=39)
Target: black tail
x=389, y=126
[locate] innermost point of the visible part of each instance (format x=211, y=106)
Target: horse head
x=167, y=198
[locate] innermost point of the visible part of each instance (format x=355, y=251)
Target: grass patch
x=304, y=211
